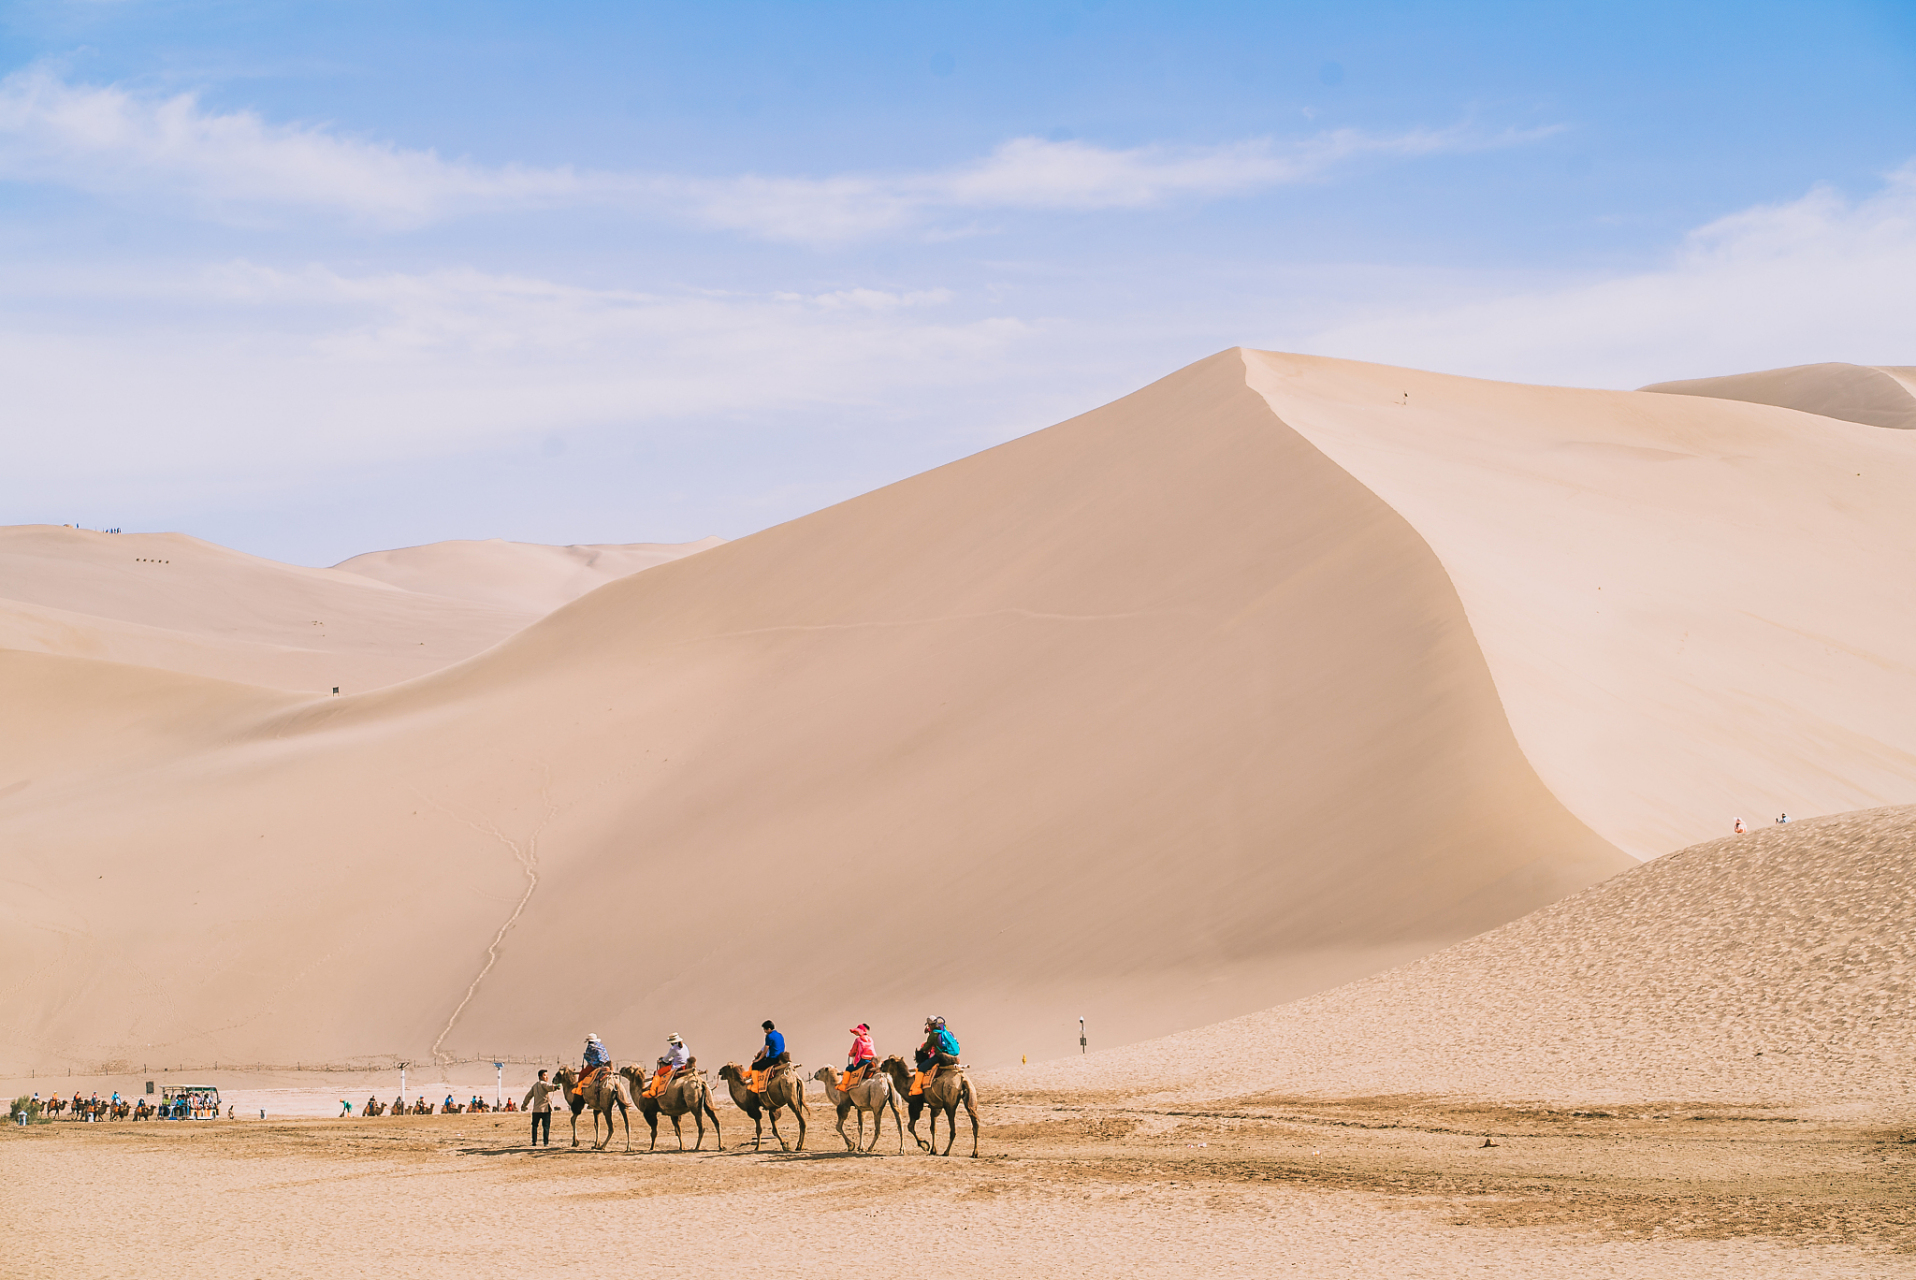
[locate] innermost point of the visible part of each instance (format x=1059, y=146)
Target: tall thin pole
x=1082, y=1042
x=402, y=1084
x=498, y=1085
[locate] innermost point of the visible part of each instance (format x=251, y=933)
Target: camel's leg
x=915, y=1108
x=771, y=1117
x=626, y=1117
x=706, y=1108
x=800, y=1109
x=900, y=1124
x=931, y=1114
x=951, y=1128
x=841, y=1129
x=971, y=1109
x=678, y=1133
x=575, y=1128
x=758, y=1129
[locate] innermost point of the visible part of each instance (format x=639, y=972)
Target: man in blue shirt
x=773, y=1055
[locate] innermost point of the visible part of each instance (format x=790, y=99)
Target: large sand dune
x=177, y=603
x=1771, y=969
x=1194, y=704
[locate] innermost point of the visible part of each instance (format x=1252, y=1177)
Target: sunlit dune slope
x=174, y=602
x=1694, y=609
x=1773, y=968
x=522, y=576
x=1153, y=717
x=1878, y=396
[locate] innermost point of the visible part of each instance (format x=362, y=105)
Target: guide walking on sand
x=539, y=1103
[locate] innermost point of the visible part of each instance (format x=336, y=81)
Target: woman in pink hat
x=863, y=1057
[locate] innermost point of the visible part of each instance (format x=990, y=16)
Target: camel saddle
x=590, y=1077
x=920, y=1079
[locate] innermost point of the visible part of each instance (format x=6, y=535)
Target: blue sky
x=313, y=279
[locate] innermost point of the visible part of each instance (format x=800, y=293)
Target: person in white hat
x=677, y=1058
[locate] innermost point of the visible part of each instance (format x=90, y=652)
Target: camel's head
x=732, y=1071
x=823, y=1074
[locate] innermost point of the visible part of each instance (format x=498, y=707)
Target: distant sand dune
x=521, y=576
x=1880, y=396
x=170, y=601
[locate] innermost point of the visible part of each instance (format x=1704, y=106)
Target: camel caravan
x=937, y=1084
x=198, y=1102
x=934, y=1084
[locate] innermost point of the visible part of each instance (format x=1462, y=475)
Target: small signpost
x=402, y=1084
x=498, y=1085
x=1082, y=1042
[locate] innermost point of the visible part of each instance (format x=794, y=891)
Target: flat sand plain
x=1083, y=1186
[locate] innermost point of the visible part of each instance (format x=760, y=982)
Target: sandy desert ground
x=1303, y=724
x=1064, y=1186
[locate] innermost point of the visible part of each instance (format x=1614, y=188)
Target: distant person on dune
x=1782, y=818
x=1737, y=827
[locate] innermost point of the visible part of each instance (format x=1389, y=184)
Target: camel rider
x=597, y=1060
x=862, y=1059
x=770, y=1058
x=939, y=1050
x=677, y=1058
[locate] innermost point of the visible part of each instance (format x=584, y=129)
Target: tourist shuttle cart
x=190, y=1102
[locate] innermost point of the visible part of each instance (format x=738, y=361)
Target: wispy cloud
x=239, y=166
x=1822, y=277
x=105, y=140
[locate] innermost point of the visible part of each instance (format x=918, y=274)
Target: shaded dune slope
x=1152, y=717
x=1689, y=605
x=1772, y=969
x=1879, y=396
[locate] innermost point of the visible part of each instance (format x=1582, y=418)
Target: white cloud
x=248, y=374
x=238, y=166
x=1817, y=278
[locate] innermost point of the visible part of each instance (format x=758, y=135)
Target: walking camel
x=873, y=1094
x=685, y=1095
x=784, y=1089
x=604, y=1093
x=946, y=1093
